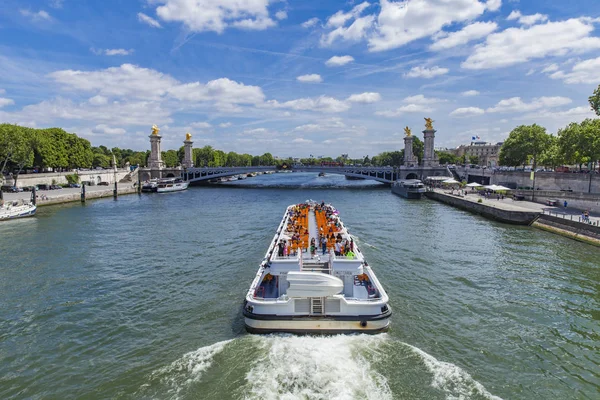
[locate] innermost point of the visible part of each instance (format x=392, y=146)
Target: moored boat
x=171, y=185
x=300, y=289
x=150, y=186
x=409, y=188
x=16, y=209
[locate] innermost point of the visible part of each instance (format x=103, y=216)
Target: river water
x=140, y=298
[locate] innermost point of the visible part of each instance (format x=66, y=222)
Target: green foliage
x=474, y=160
x=72, y=178
x=594, y=100
x=523, y=143
x=580, y=143
x=447, y=158
x=480, y=201
x=392, y=158
x=170, y=158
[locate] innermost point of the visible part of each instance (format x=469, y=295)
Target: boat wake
x=311, y=367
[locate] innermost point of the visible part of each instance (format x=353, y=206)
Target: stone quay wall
x=543, y=180
x=573, y=229
x=580, y=201
x=94, y=176
x=489, y=211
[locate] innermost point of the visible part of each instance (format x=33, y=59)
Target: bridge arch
x=412, y=175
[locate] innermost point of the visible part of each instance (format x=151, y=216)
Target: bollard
x=83, y=193
x=115, y=191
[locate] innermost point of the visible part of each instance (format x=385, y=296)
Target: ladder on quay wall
x=316, y=306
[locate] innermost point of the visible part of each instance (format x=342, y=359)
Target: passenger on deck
x=338, y=248
x=324, y=244
x=313, y=247
x=350, y=254
x=280, y=250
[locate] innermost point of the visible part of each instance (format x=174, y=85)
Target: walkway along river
x=140, y=298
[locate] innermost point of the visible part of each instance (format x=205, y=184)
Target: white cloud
x=493, y=5
x=527, y=19
x=311, y=78
x=281, y=15
x=223, y=91
x=514, y=45
x=310, y=23
x=366, y=97
x=467, y=34
x=56, y=3
x=399, y=23
x=105, y=129
x=122, y=113
x=324, y=104
x=409, y=108
x=225, y=124
x=337, y=61
x=550, y=68
x=201, y=125
x=467, y=112
x=322, y=125
x=2, y=91
x=420, y=99
x=127, y=81
x=118, y=52
x=515, y=104
x=587, y=71
x=427, y=73
x=216, y=15
x=530, y=72
x=302, y=141
x=98, y=100
x=353, y=33
x=36, y=16
x=469, y=93
x=5, y=102
x=340, y=18
x=111, y=52
x=148, y=20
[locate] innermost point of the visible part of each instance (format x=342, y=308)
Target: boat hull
x=177, y=187
x=407, y=193
x=19, y=212
x=328, y=325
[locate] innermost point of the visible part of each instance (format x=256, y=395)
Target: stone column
x=155, y=162
x=429, y=157
x=188, y=158
x=409, y=157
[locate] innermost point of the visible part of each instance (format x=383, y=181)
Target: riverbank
x=566, y=221
x=61, y=196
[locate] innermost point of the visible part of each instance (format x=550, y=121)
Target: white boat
x=150, y=186
x=171, y=185
x=409, y=188
x=302, y=292
x=17, y=209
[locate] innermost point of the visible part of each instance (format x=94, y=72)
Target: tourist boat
x=171, y=185
x=16, y=209
x=150, y=186
x=409, y=188
x=302, y=292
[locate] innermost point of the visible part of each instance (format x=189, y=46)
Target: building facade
x=487, y=153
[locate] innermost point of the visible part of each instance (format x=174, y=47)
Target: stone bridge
x=381, y=174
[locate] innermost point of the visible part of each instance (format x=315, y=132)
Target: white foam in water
x=189, y=368
x=305, y=367
x=453, y=380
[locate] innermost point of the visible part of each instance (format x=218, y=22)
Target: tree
x=170, y=158
x=418, y=148
x=474, y=160
x=595, y=101
x=552, y=156
x=447, y=158
x=523, y=143
x=18, y=144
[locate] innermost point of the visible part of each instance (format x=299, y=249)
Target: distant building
x=487, y=153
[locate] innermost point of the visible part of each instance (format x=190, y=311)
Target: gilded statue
x=407, y=132
x=429, y=123
x=155, y=130
x=188, y=136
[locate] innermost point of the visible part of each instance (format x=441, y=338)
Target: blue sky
x=296, y=77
